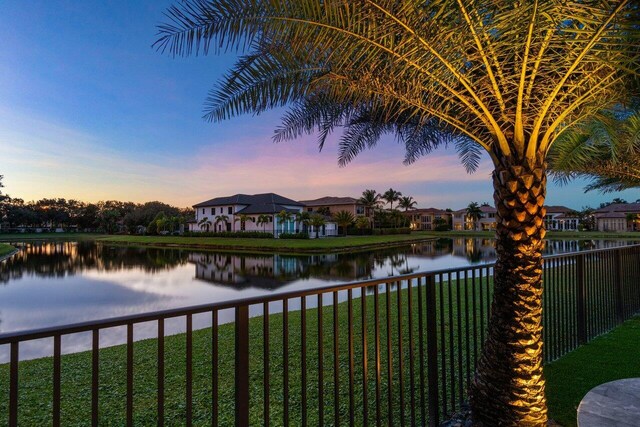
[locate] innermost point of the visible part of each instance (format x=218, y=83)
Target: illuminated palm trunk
x=509, y=384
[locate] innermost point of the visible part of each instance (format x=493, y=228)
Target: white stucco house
x=561, y=218
x=226, y=213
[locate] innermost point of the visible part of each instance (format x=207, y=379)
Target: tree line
x=111, y=216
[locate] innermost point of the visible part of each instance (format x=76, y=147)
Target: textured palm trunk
x=508, y=388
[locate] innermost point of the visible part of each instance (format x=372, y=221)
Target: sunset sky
x=88, y=110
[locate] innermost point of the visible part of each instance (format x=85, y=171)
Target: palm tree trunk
x=509, y=384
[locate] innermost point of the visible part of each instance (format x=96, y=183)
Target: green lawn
x=5, y=249
x=610, y=357
x=36, y=383
x=49, y=236
x=269, y=245
x=550, y=234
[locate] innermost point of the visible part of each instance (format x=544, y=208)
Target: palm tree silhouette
x=391, y=196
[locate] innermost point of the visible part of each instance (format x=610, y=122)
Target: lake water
x=58, y=282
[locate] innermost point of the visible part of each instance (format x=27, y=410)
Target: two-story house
x=223, y=214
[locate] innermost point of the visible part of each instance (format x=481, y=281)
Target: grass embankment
x=550, y=234
x=49, y=236
x=333, y=244
x=35, y=376
x=609, y=357
x=5, y=249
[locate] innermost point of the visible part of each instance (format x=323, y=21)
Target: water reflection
x=55, y=283
x=60, y=259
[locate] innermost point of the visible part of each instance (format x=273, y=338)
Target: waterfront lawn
x=612, y=356
x=49, y=236
x=36, y=383
x=282, y=245
x=550, y=234
x=5, y=249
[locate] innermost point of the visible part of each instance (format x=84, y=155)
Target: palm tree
x=243, y=218
x=362, y=223
x=504, y=77
x=222, y=219
x=370, y=199
x=204, y=223
x=316, y=221
x=283, y=217
x=344, y=219
x=263, y=220
x=605, y=150
x=303, y=219
x=407, y=203
x=391, y=196
x=474, y=213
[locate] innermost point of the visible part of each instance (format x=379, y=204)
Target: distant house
x=333, y=204
x=427, y=219
x=618, y=217
x=561, y=218
x=222, y=213
x=487, y=220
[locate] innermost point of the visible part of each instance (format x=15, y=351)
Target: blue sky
x=89, y=110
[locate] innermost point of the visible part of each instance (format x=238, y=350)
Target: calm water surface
x=54, y=283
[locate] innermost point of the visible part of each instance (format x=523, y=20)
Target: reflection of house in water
x=273, y=271
x=474, y=250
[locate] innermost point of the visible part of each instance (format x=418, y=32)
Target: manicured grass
x=6, y=249
x=49, y=236
x=35, y=376
x=613, y=356
x=269, y=245
x=550, y=234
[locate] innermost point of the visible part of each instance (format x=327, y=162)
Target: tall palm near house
x=504, y=77
x=303, y=219
x=204, y=223
x=605, y=150
x=316, y=221
x=222, y=219
x=283, y=217
x=370, y=199
x=243, y=218
x=474, y=213
x=344, y=219
x=406, y=203
x=263, y=220
x=391, y=196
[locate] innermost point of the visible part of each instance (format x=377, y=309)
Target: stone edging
x=9, y=255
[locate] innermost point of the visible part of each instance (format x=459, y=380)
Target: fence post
x=242, y=365
x=581, y=300
x=618, y=286
x=432, y=353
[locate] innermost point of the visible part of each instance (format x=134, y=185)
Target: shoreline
x=11, y=251
x=256, y=249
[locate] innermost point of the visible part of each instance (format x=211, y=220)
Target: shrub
x=230, y=234
x=389, y=231
x=294, y=235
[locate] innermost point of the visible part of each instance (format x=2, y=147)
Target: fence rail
x=394, y=351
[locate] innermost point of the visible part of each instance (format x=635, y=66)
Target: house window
x=360, y=210
x=202, y=211
x=229, y=210
x=309, y=209
x=213, y=211
x=221, y=210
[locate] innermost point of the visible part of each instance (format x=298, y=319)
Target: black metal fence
x=395, y=351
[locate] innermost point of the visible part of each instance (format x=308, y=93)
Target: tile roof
x=265, y=208
x=558, y=209
x=427, y=211
x=330, y=200
x=249, y=199
x=620, y=207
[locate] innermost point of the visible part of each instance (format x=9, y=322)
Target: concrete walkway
x=615, y=404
